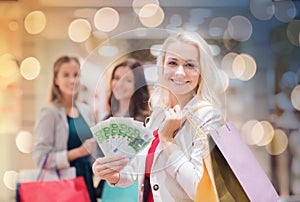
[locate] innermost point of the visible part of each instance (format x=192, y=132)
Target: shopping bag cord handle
x=44, y=168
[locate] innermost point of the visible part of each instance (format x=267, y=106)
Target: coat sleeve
x=44, y=140
x=188, y=170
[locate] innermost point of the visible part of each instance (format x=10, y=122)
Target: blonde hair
x=55, y=93
x=209, y=86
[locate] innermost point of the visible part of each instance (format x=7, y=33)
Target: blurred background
x=256, y=45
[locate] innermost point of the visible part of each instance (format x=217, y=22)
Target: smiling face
x=181, y=68
x=122, y=83
x=67, y=78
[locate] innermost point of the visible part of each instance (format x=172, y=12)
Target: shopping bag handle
x=190, y=115
x=199, y=130
x=44, y=168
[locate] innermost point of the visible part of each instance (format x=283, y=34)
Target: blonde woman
x=171, y=168
x=62, y=130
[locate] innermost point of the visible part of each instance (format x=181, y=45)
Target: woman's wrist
x=76, y=153
x=166, y=140
x=169, y=148
x=114, y=179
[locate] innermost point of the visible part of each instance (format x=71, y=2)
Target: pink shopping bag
x=242, y=162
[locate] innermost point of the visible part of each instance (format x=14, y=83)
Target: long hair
x=209, y=85
x=138, y=105
x=55, y=93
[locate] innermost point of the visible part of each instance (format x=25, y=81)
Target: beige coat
x=51, y=134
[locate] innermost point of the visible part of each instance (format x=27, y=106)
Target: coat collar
x=79, y=106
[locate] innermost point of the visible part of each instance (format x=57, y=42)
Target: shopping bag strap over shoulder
x=209, y=105
x=199, y=131
x=207, y=190
x=189, y=117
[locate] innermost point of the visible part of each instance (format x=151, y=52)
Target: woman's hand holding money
x=108, y=168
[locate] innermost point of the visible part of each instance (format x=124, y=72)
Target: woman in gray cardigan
x=62, y=129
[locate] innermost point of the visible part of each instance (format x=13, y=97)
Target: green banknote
x=121, y=135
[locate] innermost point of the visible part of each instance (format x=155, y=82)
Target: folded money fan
x=121, y=135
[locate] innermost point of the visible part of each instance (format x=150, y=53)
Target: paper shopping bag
x=227, y=185
x=63, y=190
x=242, y=163
x=205, y=189
x=218, y=183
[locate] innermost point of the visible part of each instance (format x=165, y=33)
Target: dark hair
x=138, y=106
x=55, y=93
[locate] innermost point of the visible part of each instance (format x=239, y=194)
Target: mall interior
x=255, y=44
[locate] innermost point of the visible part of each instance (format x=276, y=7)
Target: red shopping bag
x=63, y=190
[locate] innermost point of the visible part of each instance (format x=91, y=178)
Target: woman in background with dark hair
x=128, y=91
x=62, y=130
x=128, y=97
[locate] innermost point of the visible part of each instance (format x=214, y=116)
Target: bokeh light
x=6, y=81
x=293, y=32
x=240, y=28
x=217, y=27
x=244, y=67
x=30, y=68
x=156, y=49
x=106, y=19
x=224, y=79
x=288, y=80
x=282, y=100
x=10, y=179
x=227, y=64
x=252, y=132
x=24, y=142
x=285, y=11
x=137, y=5
x=295, y=97
x=151, y=15
x=229, y=43
x=262, y=9
x=238, y=66
x=8, y=65
x=79, y=30
x=214, y=49
x=278, y=144
x=268, y=133
x=35, y=22
x=13, y=26
x=108, y=51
